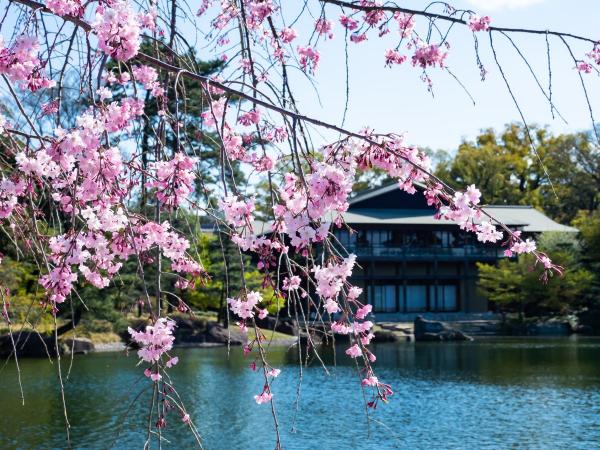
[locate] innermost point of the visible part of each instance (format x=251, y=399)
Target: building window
x=345, y=238
x=416, y=298
x=379, y=237
x=444, y=239
x=445, y=299
x=383, y=298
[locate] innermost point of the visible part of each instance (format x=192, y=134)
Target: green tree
x=514, y=287
x=222, y=260
x=560, y=177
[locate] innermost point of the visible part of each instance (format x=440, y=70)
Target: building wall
x=447, y=286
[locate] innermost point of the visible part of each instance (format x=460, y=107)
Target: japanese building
x=411, y=262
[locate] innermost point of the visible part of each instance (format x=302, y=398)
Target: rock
x=589, y=322
x=551, y=328
x=385, y=336
x=216, y=333
x=281, y=325
x=431, y=330
x=77, y=346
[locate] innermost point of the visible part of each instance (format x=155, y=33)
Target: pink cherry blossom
x=274, y=373
x=394, y=57
x=594, y=55
x=486, y=232
x=406, y=23
x=584, y=67
x=477, y=23
x=428, y=55
x=331, y=306
x=527, y=246
x=287, y=35
x=148, y=76
x=370, y=381
x=65, y=7
x=265, y=397
x=174, y=179
x=20, y=63
x=354, y=351
x=118, y=30
x=155, y=340
x=292, y=283
x=244, y=306
x=171, y=362
x=155, y=376
x=324, y=27
x=237, y=212
x=348, y=22
x=309, y=58
x=363, y=312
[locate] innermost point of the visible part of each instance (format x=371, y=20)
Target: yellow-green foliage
x=24, y=294
x=215, y=258
x=514, y=285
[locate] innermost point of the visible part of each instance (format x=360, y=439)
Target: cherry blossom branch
x=394, y=8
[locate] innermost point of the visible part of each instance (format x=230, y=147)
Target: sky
x=396, y=100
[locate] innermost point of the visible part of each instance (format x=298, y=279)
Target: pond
x=492, y=393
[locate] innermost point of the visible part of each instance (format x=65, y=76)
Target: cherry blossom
x=155, y=340
x=348, y=22
x=354, y=351
x=287, y=35
x=394, y=57
x=363, y=312
x=324, y=27
x=118, y=30
x=309, y=58
x=174, y=179
x=428, y=55
x=477, y=23
x=244, y=306
x=65, y=7
x=237, y=212
x=20, y=63
x=265, y=397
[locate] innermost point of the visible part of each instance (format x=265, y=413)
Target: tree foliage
x=559, y=174
x=514, y=286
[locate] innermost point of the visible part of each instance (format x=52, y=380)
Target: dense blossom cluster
x=90, y=181
x=244, y=307
x=148, y=76
x=65, y=7
x=20, y=63
x=237, y=212
x=428, y=55
x=155, y=341
x=174, y=179
x=118, y=29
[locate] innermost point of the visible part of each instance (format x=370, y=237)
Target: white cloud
x=495, y=5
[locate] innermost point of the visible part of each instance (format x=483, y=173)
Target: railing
x=404, y=252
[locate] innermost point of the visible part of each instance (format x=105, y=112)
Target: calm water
x=496, y=394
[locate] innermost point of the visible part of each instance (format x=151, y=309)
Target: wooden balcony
x=400, y=253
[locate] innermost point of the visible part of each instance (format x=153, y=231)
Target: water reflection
x=510, y=393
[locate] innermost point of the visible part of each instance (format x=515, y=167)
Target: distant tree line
x=557, y=174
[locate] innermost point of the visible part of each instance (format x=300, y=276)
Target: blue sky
x=395, y=99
